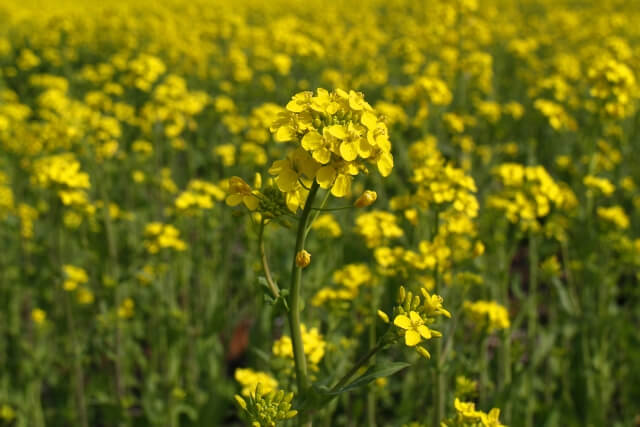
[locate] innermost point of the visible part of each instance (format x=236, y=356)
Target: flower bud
x=303, y=259
x=366, y=199
x=240, y=401
x=478, y=249
x=423, y=352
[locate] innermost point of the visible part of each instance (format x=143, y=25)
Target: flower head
x=414, y=327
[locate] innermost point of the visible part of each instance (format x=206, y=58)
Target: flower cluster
x=314, y=346
x=74, y=279
x=249, y=380
x=468, y=416
x=413, y=315
x=199, y=195
x=489, y=315
x=558, y=117
x=336, y=132
x=266, y=409
x=615, y=215
x=378, y=227
x=602, y=185
x=349, y=278
x=126, y=309
x=162, y=236
x=528, y=194
x=326, y=225
x=62, y=171
x=613, y=83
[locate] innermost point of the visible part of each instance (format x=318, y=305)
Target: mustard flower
x=241, y=192
x=415, y=329
x=340, y=131
x=303, y=259
x=366, y=199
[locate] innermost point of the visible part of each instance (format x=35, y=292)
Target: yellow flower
x=338, y=178
x=249, y=380
x=414, y=327
x=240, y=192
x=489, y=314
x=327, y=225
x=298, y=164
x=303, y=259
x=615, y=215
x=126, y=309
x=337, y=131
x=366, y=199
x=38, y=315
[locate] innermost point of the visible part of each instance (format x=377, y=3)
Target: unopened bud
x=366, y=199
x=303, y=259
x=401, y=295
x=423, y=352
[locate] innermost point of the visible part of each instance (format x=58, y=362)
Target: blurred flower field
x=391, y=213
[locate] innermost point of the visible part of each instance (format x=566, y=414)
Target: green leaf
x=385, y=371
x=565, y=300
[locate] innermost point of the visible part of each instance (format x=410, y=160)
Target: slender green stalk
x=504, y=379
x=356, y=367
x=316, y=212
x=294, y=297
x=275, y=291
x=77, y=365
x=35, y=403
x=484, y=368
x=440, y=391
x=532, y=327
x=113, y=258
x=76, y=351
x=333, y=209
x=371, y=392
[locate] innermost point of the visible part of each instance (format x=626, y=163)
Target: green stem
x=114, y=270
x=275, y=291
x=294, y=297
x=371, y=391
x=484, y=368
x=356, y=367
x=532, y=322
x=317, y=212
x=77, y=365
x=440, y=390
x=333, y=209
x=505, y=365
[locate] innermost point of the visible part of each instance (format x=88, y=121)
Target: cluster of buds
x=270, y=202
x=267, y=409
x=412, y=316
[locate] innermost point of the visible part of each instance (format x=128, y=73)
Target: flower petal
x=349, y=150
x=402, y=321
x=312, y=141
x=369, y=120
x=287, y=180
x=325, y=176
x=251, y=202
x=337, y=131
x=411, y=338
x=284, y=134
x=424, y=331
x=415, y=318
x=342, y=186
x=385, y=164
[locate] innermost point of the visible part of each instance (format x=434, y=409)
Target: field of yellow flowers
x=303, y=212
